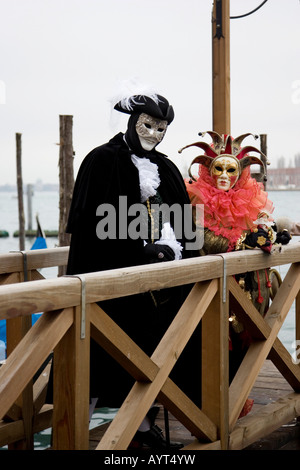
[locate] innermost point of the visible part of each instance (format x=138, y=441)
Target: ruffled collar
x=149, y=176
x=229, y=213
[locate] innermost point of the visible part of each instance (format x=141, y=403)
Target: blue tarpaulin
x=40, y=241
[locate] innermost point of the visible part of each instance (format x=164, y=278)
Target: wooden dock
x=269, y=386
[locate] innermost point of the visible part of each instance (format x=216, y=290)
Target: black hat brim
x=144, y=104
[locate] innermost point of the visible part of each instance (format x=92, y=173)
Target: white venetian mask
x=150, y=131
x=225, y=171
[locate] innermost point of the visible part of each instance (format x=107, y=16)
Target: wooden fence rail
x=71, y=316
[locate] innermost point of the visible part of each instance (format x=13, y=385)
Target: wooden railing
x=71, y=316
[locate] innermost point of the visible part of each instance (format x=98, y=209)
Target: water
x=46, y=204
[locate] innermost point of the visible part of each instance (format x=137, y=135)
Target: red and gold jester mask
x=225, y=158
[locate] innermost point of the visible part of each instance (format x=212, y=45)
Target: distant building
x=283, y=178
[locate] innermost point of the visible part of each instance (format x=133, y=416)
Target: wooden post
x=29, y=206
x=260, y=175
x=263, y=148
x=215, y=364
x=20, y=193
x=66, y=179
x=16, y=329
x=221, y=66
x=71, y=379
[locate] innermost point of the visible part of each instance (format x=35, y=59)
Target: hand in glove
x=283, y=226
x=156, y=253
x=259, y=239
x=283, y=237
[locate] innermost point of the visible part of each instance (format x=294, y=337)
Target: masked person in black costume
x=128, y=170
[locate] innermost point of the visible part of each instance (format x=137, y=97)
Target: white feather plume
x=126, y=89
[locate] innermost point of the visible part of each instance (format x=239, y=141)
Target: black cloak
x=106, y=173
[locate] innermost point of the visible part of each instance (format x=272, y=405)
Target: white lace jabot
x=149, y=182
x=149, y=177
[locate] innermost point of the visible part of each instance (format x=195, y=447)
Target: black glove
x=259, y=239
x=155, y=253
x=283, y=237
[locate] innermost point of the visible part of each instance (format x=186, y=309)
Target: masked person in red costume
x=237, y=216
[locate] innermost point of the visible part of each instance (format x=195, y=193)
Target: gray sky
x=65, y=56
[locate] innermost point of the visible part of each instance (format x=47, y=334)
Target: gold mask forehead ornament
x=227, y=147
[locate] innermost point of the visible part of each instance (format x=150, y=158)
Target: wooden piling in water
x=20, y=192
x=29, y=206
x=66, y=179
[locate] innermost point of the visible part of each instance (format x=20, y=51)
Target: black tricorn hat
x=156, y=106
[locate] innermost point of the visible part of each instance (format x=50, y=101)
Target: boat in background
x=40, y=240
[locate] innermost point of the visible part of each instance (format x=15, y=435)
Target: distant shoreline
x=282, y=189
x=11, y=188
